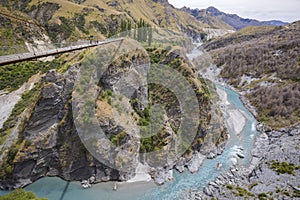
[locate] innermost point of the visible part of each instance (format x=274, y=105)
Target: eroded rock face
x=55, y=149
x=43, y=12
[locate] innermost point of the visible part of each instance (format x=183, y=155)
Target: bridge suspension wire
x=37, y=53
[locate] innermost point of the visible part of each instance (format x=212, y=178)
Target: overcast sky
x=285, y=10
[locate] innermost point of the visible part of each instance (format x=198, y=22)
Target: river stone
x=161, y=175
x=195, y=163
x=211, y=155
x=180, y=164
x=207, y=191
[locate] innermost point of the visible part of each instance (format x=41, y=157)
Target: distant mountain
x=206, y=18
x=232, y=20
x=275, y=23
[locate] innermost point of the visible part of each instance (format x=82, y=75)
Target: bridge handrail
x=50, y=50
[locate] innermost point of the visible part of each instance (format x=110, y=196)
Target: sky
x=284, y=10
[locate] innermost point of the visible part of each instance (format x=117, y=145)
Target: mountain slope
x=73, y=20
x=16, y=28
x=264, y=63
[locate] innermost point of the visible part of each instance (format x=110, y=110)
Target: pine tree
x=150, y=35
x=135, y=32
x=140, y=33
x=123, y=27
x=129, y=28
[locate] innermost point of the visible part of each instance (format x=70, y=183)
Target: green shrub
x=13, y=76
x=242, y=191
x=296, y=193
x=117, y=139
x=27, y=143
x=262, y=196
x=286, y=193
x=252, y=185
x=20, y=194
x=146, y=145
x=283, y=167
x=230, y=187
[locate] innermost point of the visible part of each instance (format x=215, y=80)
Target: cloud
x=257, y=9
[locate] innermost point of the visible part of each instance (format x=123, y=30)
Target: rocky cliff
x=49, y=144
x=40, y=137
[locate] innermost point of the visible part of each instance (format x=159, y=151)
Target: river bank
x=267, y=175
x=234, y=118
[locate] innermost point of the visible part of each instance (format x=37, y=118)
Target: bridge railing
x=41, y=48
x=15, y=54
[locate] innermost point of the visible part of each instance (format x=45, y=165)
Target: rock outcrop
x=53, y=147
x=49, y=141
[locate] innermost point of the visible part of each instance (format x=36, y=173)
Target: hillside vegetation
x=264, y=62
x=20, y=194
x=16, y=28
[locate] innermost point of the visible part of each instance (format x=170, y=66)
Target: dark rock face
x=43, y=12
x=56, y=149
x=77, y=1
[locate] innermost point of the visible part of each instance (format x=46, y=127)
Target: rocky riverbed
x=274, y=171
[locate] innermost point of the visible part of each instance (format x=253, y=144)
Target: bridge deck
x=14, y=58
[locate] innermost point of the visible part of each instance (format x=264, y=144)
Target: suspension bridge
x=35, y=54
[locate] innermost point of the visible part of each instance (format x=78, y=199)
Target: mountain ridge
x=232, y=20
